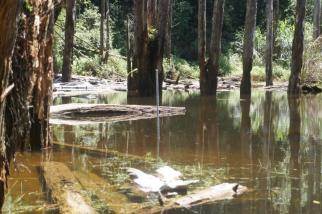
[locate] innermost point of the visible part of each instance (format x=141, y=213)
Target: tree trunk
x=316, y=19
x=269, y=42
x=9, y=11
x=107, y=31
x=69, y=40
x=248, y=49
x=202, y=41
x=102, y=30
x=149, y=39
x=297, y=49
x=276, y=16
x=209, y=84
x=129, y=48
x=29, y=103
x=168, y=39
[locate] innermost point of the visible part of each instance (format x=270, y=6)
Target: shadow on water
x=270, y=143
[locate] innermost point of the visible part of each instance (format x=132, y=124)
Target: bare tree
x=269, y=42
x=297, y=49
x=69, y=40
x=248, y=49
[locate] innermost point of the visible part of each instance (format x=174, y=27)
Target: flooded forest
x=160, y=106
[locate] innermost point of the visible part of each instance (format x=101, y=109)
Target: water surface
x=270, y=144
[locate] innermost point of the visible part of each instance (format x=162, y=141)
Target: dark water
x=270, y=144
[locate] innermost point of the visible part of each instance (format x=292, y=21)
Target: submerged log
x=225, y=191
x=215, y=194
x=65, y=189
x=75, y=114
x=116, y=202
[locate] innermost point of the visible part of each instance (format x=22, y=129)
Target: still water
x=270, y=144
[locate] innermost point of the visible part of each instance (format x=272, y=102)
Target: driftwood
x=75, y=114
x=116, y=202
x=65, y=189
x=221, y=192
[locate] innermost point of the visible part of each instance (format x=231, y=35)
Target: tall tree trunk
x=209, y=84
x=168, y=39
x=107, y=31
x=102, y=30
x=297, y=49
x=276, y=17
x=269, y=42
x=129, y=42
x=202, y=26
x=316, y=19
x=29, y=103
x=149, y=39
x=248, y=49
x=69, y=40
x=9, y=11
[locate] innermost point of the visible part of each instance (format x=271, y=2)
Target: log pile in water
x=77, y=114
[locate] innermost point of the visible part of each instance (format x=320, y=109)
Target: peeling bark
x=9, y=11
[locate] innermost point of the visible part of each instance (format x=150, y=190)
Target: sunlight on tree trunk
x=316, y=19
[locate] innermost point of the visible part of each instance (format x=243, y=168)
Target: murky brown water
x=271, y=144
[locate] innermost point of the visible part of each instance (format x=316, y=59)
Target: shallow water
x=270, y=144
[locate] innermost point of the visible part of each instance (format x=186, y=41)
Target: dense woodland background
x=184, y=36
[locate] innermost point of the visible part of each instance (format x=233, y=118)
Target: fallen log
x=65, y=189
x=75, y=114
x=215, y=194
x=116, y=202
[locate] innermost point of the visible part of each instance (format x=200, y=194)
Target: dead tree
x=150, y=19
x=248, y=47
x=297, y=49
x=209, y=69
x=69, y=40
x=9, y=11
x=316, y=19
x=269, y=42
